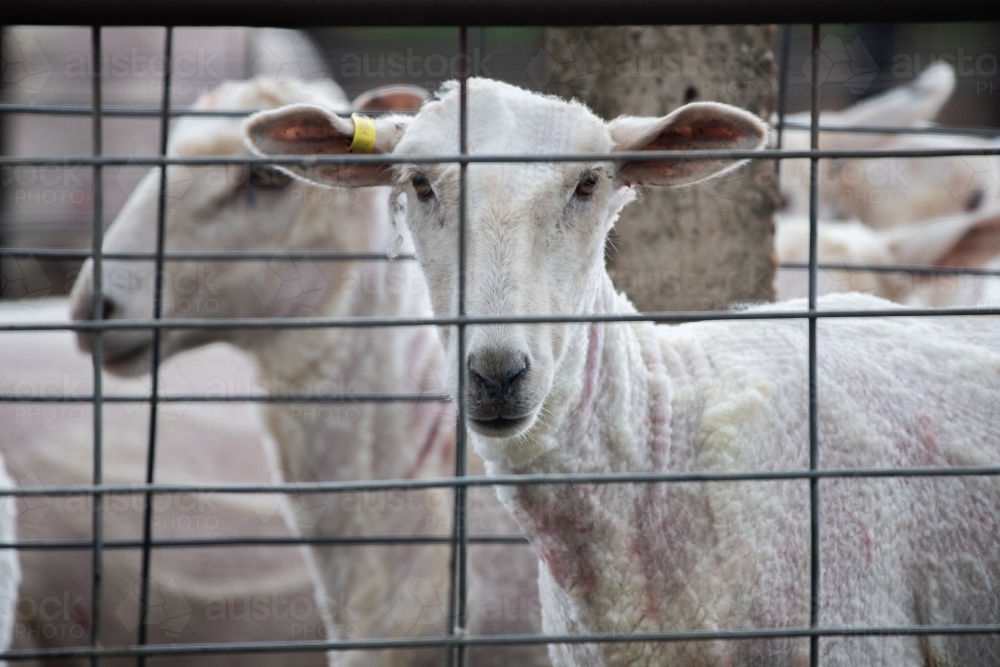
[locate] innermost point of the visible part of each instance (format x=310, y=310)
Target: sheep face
x=534, y=232
x=220, y=208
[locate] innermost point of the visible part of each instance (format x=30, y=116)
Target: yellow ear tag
x=364, y=134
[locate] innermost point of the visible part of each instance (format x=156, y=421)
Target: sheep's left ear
x=698, y=126
x=304, y=129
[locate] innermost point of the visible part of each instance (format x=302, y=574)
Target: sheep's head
x=227, y=208
x=889, y=192
x=535, y=232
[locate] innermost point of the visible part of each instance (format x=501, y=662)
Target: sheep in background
x=969, y=240
x=717, y=396
x=202, y=594
x=371, y=590
x=891, y=192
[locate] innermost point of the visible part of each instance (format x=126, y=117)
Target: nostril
x=497, y=377
x=107, y=309
x=513, y=375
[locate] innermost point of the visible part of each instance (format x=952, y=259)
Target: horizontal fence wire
x=667, y=317
x=527, y=158
x=450, y=641
x=50, y=545
x=127, y=112
x=458, y=640
x=500, y=480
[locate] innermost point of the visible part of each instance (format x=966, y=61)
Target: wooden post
x=698, y=248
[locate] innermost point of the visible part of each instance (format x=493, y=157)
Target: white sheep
x=891, y=192
x=969, y=240
x=214, y=594
x=712, y=396
x=372, y=590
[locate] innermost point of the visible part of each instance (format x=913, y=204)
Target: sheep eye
x=586, y=186
x=267, y=179
x=422, y=187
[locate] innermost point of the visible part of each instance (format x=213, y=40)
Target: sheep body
x=591, y=398
x=734, y=397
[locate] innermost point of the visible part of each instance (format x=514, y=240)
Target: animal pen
x=466, y=18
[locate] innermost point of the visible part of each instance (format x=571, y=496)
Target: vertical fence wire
x=814, y=564
x=161, y=211
x=97, y=561
x=460, y=536
x=779, y=128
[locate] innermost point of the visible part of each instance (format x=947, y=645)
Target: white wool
x=367, y=590
x=717, y=396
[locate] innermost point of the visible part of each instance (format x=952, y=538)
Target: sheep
x=197, y=595
x=712, y=396
x=372, y=590
x=892, y=192
x=961, y=240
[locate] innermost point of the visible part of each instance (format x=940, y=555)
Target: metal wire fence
x=457, y=639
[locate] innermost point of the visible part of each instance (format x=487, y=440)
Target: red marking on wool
x=561, y=529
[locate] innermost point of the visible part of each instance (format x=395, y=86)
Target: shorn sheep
x=372, y=590
x=892, y=192
x=710, y=396
x=214, y=594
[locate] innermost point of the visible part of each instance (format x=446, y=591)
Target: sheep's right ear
x=304, y=129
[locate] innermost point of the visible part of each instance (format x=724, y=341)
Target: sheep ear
x=966, y=240
x=699, y=126
x=392, y=98
x=913, y=104
x=304, y=129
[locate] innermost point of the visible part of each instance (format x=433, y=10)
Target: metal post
x=814, y=564
x=97, y=563
x=457, y=601
x=161, y=209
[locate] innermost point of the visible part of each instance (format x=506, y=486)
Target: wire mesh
x=457, y=640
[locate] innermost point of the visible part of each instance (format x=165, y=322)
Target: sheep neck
x=358, y=441
x=609, y=411
x=351, y=441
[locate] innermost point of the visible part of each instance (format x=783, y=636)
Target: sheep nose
x=83, y=309
x=497, y=375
